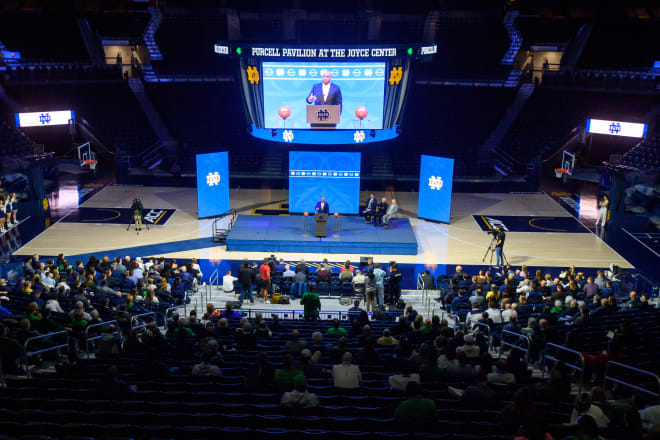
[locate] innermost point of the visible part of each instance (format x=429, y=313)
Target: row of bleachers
x=550, y=114
x=110, y=108
x=644, y=156
x=451, y=121
x=535, y=30
x=64, y=73
x=205, y=117
x=468, y=51
x=600, y=79
x=621, y=45
x=187, y=45
x=119, y=25
x=43, y=36
x=13, y=142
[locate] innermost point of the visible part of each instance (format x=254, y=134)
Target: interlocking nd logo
x=253, y=74
x=213, y=179
x=395, y=75
x=323, y=114
x=44, y=118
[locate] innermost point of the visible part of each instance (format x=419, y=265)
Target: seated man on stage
x=370, y=209
x=380, y=211
x=322, y=207
x=391, y=212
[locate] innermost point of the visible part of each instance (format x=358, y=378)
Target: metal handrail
x=520, y=337
x=636, y=370
x=215, y=276
x=27, y=354
x=135, y=318
x=87, y=338
x=578, y=366
x=324, y=315
x=489, y=330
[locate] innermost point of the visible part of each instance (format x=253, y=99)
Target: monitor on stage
x=435, y=182
x=357, y=88
x=332, y=175
x=212, y=184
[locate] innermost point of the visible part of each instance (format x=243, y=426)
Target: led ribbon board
x=43, y=119
x=616, y=128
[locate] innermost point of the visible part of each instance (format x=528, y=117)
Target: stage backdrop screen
x=289, y=84
x=316, y=174
x=435, y=179
x=212, y=184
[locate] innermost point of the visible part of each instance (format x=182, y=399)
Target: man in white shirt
x=346, y=375
x=49, y=280
x=325, y=92
x=358, y=278
x=508, y=311
x=288, y=273
x=228, y=282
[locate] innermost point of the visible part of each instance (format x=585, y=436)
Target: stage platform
x=284, y=233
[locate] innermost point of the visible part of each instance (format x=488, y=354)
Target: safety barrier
x=554, y=353
x=94, y=338
x=324, y=315
x=139, y=317
x=628, y=369
x=519, y=339
x=27, y=354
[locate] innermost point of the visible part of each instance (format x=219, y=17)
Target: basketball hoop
x=559, y=172
x=90, y=162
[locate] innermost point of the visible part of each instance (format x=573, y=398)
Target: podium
x=321, y=224
x=323, y=116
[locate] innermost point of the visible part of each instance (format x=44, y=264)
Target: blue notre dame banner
x=212, y=184
x=435, y=178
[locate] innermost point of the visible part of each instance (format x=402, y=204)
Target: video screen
x=212, y=184
x=290, y=87
x=334, y=176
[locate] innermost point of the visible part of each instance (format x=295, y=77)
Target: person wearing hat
x=299, y=397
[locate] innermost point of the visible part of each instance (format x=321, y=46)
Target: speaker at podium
x=321, y=224
x=323, y=116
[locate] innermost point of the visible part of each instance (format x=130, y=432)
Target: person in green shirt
x=312, y=304
x=335, y=330
x=416, y=408
x=284, y=376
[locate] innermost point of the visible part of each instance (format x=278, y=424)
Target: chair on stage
x=394, y=221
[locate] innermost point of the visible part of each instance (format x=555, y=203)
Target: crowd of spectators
x=412, y=357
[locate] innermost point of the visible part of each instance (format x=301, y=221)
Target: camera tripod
x=491, y=250
x=132, y=223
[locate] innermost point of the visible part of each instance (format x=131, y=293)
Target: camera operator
x=500, y=236
x=137, y=209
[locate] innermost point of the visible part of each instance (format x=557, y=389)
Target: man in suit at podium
x=322, y=207
x=325, y=92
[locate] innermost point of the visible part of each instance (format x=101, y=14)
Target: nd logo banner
x=435, y=182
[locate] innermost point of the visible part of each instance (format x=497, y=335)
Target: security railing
x=631, y=372
x=517, y=343
x=569, y=358
x=94, y=338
